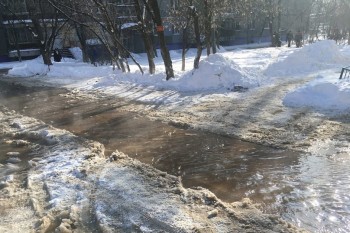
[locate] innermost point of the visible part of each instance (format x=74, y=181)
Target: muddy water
x=310, y=190
x=13, y=159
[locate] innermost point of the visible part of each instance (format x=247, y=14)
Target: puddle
x=13, y=161
x=304, y=189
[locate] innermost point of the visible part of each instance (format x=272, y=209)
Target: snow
x=218, y=74
x=311, y=58
x=93, y=42
x=325, y=92
x=77, y=53
x=72, y=182
x=63, y=169
x=128, y=25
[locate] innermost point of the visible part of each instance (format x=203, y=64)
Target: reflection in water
x=321, y=192
x=309, y=190
x=13, y=161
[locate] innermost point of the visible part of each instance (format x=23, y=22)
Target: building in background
x=233, y=28
x=14, y=34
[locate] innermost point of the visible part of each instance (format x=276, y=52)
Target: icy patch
x=141, y=205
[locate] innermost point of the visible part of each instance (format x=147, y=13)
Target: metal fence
x=345, y=73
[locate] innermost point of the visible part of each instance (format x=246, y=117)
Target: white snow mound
x=313, y=57
x=322, y=93
x=217, y=72
x=77, y=53
x=67, y=68
x=29, y=68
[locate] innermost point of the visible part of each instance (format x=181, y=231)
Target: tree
x=211, y=13
x=272, y=10
x=180, y=19
x=197, y=35
x=46, y=24
x=184, y=15
x=153, y=8
x=330, y=18
x=100, y=18
x=206, y=16
x=339, y=20
x=145, y=30
x=80, y=30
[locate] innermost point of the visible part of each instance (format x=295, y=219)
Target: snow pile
x=216, y=72
x=345, y=50
x=77, y=53
x=313, y=57
x=29, y=68
x=68, y=68
x=77, y=70
x=323, y=93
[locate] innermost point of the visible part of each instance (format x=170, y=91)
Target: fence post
x=341, y=74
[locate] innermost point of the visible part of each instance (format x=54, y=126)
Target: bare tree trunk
x=213, y=41
x=207, y=26
x=271, y=29
x=45, y=36
x=185, y=37
x=150, y=52
x=160, y=31
x=146, y=38
x=46, y=54
x=271, y=18
x=17, y=47
x=82, y=39
x=198, y=39
x=184, y=47
x=279, y=15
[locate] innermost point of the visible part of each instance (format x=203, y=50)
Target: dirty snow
x=287, y=97
x=72, y=187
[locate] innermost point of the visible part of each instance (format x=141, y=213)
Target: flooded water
x=13, y=156
x=13, y=161
x=312, y=191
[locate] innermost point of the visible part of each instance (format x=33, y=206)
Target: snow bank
x=216, y=72
x=310, y=58
x=325, y=93
x=29, y=68
x=68, y=68
x=78, y=70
